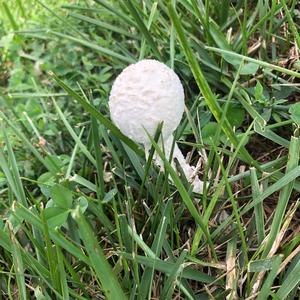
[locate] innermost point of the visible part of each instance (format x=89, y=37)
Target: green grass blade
x=62, y=273
x=73, y=156
x=15, y=179
x=258, y=209
x=116, y=11
x=184, y=195
x=234, y=207
x=9, y=177
x=284, y=196
x=10, y=16
x=266, y=288
x=279, y=184
x=151, y=154
x=291, y=23
x=22, y=212
x=291, y=281
x=160, y=236
x=104, y=25
x=100, y=117
x=98, y=261
x=217, y=193
x=139, y=240
x=99, y=159
x=104, y=51
x=149, y=23
x=169, y=286
x=18, y=265
x=269, y=134
x=51, y=255
x=51, y=167
x=256, y=61
x=166, y=267
x=84, y=182
x=142, y=27
x=77, y=140
x=21, y=7
x=63, y=20
x=204, y=87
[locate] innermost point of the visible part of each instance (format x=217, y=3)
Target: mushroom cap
x=142, y=96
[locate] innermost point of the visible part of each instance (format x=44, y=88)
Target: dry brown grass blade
x=289, y=259
x=231, y=277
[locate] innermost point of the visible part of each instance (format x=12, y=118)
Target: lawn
x=86, y=212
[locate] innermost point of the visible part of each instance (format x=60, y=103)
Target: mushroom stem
x=189, y=171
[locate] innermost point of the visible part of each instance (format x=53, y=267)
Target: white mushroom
x=144, y=95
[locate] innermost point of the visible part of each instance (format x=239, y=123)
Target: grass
x=86, y=215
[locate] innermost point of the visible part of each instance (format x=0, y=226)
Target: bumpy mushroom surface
x=144, y=95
